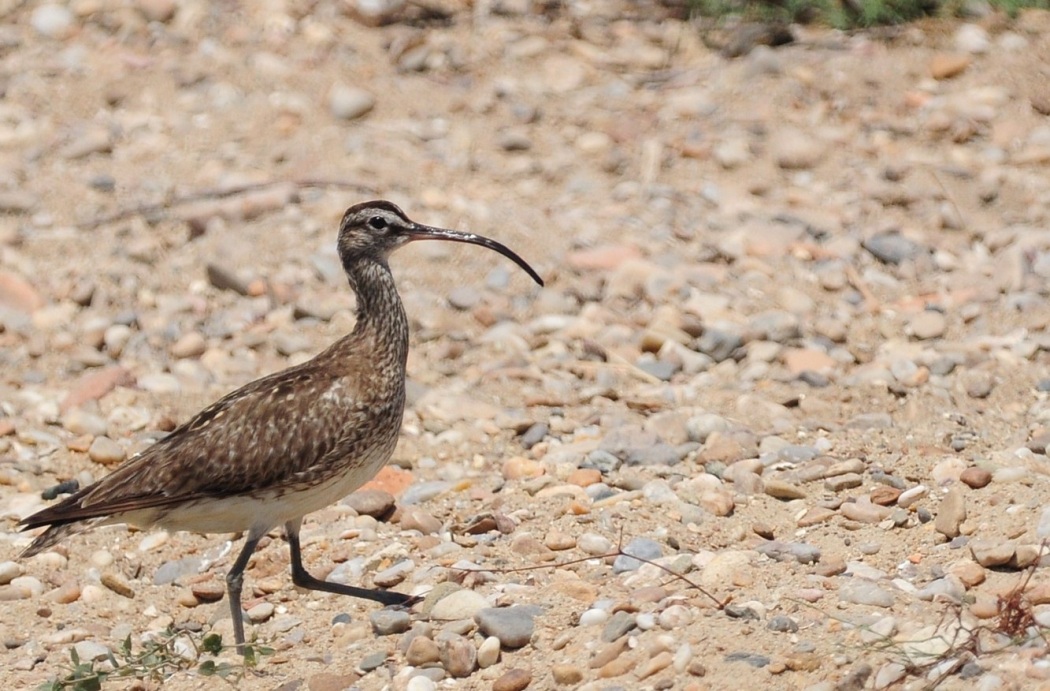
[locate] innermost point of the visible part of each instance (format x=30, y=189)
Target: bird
x=286, y=444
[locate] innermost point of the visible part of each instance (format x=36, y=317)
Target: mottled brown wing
x=277, y=431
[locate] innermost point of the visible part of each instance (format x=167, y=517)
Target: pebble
x=948, y=65
x=9, y=570
x=618, y=625
x=52, y=21
x=392, y=575
x=386, y=622
x=566, y=674
x=260, y=612
x=461, y=604
x=513, y=626
x=927, y=325
x=488, y=652
x=641, y=547
x=513, y=680
x=105, y=451
x=422, y=651
x=349, y=102
x=795, y=149
x=459, y=657
x=862, y=592
x=371, y=502
x=189, y=345
x=951, y=513
x=118, y=584
x=415, y=518
x=891, y=248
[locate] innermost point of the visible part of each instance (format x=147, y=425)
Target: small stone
x=566, y=674
x=79, y=421
x=208, y=591
x=838, y=483
x=642, y=547
x=65, y=594
x=782, y=624
x=594, y=544
x=618, y=625
x=90, y=651
x=372, y=661
x=992, y=553
x=461, y=604
x=422, y=651
x=392, y=575
x=189, y=345
x=794, y=149
x=865, y=512
x=389, y=621
x=105, y=451
x=415, y=518
x=372, y=502
x=948, y=65
x=513, y=680
x=488, y=652
x=979, y=384
x=656, y=664
x=558, y=541
x=786, y=491
x=861, y=592
x=9, y=570
x=928, y=324
x=518, y=468
x=349, y=102
x=534, y=435
x=118, y=584
x=884, y=495
x=513, y=626
x=225, y=279
x=513, y=139
x=260, y=612
x=951, y=513
x=891, y=248
x=969, y=573
x=52, y=21
x=459, y=657
x=975, y=478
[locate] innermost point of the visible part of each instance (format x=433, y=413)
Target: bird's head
x=377, y=228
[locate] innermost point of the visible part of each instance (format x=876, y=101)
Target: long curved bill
x=422, y=232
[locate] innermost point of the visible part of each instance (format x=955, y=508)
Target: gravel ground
x=792, y=350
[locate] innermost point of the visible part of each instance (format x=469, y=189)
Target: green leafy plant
x=156, y=660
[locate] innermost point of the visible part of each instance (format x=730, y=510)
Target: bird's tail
x=56, y=533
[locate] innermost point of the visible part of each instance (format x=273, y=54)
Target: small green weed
x=156, y=660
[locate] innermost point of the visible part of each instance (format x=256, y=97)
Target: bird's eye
x=377, y=222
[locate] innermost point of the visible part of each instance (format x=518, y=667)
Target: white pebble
x=675, y=617
x=30, y=584
x=488, y=652
x=594, y=544
x=9, y=570
x=153, y=541
x=53, y=21
x=682, y=657
x=420, y=683
x=912, y=495
x=594, y=617
x=645, y=621
x=101, y=558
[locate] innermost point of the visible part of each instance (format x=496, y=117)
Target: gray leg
x=234, y=581
x=304, y=580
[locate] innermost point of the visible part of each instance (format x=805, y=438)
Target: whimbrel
x=287, y=444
